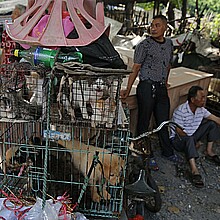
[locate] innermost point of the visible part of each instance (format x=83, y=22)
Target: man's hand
x=180, y=132
x=214, y=118
x=124, y=94
x=135, y=69
x=167, y=85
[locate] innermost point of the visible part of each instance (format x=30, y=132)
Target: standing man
x=152, y=61
x=197, y=123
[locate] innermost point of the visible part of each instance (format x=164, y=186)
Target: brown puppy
x=10, y=153
x=82, y=155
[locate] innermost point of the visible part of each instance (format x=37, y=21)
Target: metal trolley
x=61, y=134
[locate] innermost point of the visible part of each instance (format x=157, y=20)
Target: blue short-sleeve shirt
x=154, y=57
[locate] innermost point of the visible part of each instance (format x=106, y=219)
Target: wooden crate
x=180, y=80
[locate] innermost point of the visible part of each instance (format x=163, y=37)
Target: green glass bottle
x=71, y=56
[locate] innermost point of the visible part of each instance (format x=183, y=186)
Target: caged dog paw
x=106, y=195
x=96, y=197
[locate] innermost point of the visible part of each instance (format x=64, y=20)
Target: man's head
x=196, y=96
x=158, y=27
x=18, y=11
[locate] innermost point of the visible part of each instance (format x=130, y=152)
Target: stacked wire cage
x=213, y=97
x=60, y=134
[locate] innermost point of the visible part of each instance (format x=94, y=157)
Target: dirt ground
x=181, y=200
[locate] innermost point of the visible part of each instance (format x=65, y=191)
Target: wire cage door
x=49, y=144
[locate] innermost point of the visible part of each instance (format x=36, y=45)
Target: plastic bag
x=50, y=211
x=80, y=216
x=100, y=53
x=77, y=216
x=6, y=213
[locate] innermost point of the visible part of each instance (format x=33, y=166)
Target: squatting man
x=197, y=122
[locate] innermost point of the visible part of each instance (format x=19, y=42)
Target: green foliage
x=146, y=6
x=212, y=26
x=212, y=5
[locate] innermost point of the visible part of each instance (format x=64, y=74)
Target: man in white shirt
x=197, y=122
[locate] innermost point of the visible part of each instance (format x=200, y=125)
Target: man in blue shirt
x=152, y=61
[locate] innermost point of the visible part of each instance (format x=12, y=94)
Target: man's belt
x=161, y=83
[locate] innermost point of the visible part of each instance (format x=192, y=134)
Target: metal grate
x=68, y=163
x=21, y=92
x=51, y=151
x=213, y=97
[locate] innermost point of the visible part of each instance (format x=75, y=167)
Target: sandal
x=214, y=158
x=197, y=180
x=176, y=159
x=153, y=164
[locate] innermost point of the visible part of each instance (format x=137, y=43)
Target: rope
x=64, y=209
x=18, y=205
x=73, y=67
x=15, y=204
x=47, y=142
x=62, y=82
x=95, y=162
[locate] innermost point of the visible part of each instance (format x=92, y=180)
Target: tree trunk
x=183, y=18
x=156, y=7
x=171, y=15
x=128, y=15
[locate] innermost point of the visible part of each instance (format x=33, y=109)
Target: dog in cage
x=91, y=99
x=79, y=157
x=14, y=106
x=17, y=101
x=111, y=168
x=28, y=161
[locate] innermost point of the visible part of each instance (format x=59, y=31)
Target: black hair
x=162, y=17
x=193, y=92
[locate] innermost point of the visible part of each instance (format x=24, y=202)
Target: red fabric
x=137, y=217
x=8, y=44
x=17, y=80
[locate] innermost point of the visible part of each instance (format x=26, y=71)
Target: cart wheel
x=153, y=203
x=130, y=207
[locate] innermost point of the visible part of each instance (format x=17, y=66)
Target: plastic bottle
x=38, y=55
x=47, y=56
x=71, y=56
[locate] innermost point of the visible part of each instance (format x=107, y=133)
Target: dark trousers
x=153, y=98
x=187, y=144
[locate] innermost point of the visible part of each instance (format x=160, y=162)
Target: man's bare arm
x=135, y=70
x=214, y=118
x=180, y=132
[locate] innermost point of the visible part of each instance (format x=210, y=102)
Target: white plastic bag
x=50, y=211
x=80, y=216
x=6, y=213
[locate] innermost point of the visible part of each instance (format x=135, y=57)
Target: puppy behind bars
x=81, y=158
x=33, y=155
x=82, y=155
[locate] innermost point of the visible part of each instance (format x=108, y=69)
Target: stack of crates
x=60, y=134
